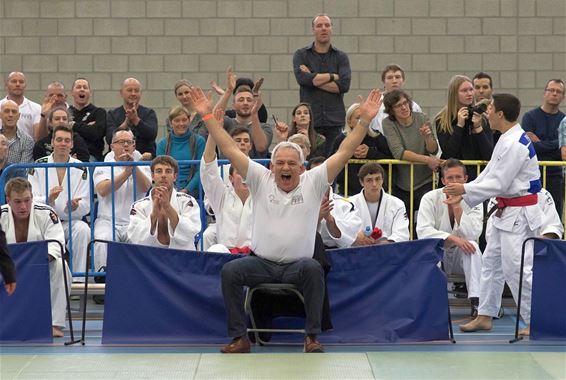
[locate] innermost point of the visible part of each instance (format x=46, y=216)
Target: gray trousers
x=306, y=274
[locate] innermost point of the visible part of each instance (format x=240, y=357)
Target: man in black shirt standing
x=323, y=73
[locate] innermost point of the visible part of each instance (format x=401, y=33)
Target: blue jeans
x=306, y=274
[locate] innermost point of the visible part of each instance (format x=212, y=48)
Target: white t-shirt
x=285, y=224
x=30, y=114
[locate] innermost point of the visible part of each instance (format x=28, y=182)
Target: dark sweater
x=90, y=123
x=145, y=132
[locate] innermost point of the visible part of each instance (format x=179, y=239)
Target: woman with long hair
x=373, y=147
x=182, y=143
x=462, y=131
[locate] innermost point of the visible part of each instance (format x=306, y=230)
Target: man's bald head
x=131, y=91
x=15, y=84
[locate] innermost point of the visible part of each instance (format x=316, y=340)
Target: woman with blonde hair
x=181, y=90
x=373, y=147
x=182, y=143
x=462, y=131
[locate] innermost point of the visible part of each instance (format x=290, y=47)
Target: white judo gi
x=122, y=196
x=433, y=222
x=44, y=224
x=79, y=189
x=183, y=237
x=391, y=216
x=233, y=218
x=347, y=220
x=512, y=172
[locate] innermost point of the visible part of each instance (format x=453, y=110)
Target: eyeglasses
x=554, y=91
x=124, y=142
x=401, y=105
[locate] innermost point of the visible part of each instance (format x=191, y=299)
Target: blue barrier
x=391, y=293
x=548, y=313
x=26, y=315
x=91, y=167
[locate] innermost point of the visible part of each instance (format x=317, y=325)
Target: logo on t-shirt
x=297, y=199
x=272, y=199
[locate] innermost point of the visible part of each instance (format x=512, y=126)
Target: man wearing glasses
x=541, y=125
x=113, y=224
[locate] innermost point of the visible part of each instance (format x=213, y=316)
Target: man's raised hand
x=370, y=106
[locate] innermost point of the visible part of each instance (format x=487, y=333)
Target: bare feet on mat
x=57, y=332
x=482, y=322
x=526, y=331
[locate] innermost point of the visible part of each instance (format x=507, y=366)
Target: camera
x=479, y=108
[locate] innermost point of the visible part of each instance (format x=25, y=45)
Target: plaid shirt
x=20, y=149
x=562, y=133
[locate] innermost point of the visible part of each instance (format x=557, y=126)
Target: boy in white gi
x=123, y=146
x=25, y=220
x=512, y=175
x=376, y=208
x=459, y=225
x=338, y=222
x=232, y=204
x=70, y=204
x=286, y=209
x=165, y=218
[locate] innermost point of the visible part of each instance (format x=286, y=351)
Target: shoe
x=57, y=332
x=99, y=300
x=482, y=322
x=239, y=345
x=526, y=331
x=474, y=303
x=312, y=345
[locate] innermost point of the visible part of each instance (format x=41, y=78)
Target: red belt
x=242, y=250
x=525, y=200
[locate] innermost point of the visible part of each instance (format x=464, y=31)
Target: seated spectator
x=302, y=141
x=241, y=137
x=232, y=205
x=378, y=209
x=165, y=218
x=20, y=145
x=338, y=220
x=125, y=180
x=411, y=138
x=232, y=85
x=196, y=125
x=3, y=152
x=89, y=120
x=70, y=203
x=459, y=226
x=7, y=266
x=55, y=117
x=23, y=220
x=373, y=147
x=30, y=112
x=247, y=103
x=462, y=134
x=393, y=78
x=183, y=144
x=131, y=114
x=55, y=96
x=302, y=123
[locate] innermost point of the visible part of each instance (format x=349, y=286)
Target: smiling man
x=89, y=120
x=166, y=218
x=30, y=112
x=131, y=114
x=286, y=210
x=20, y=145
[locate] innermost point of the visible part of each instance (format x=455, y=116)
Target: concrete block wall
x=521, y=43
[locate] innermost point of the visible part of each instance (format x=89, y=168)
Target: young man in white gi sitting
x=25, y=220
x=165, y=218
x=70, y=203
x=458, y=225
x=378, y=209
